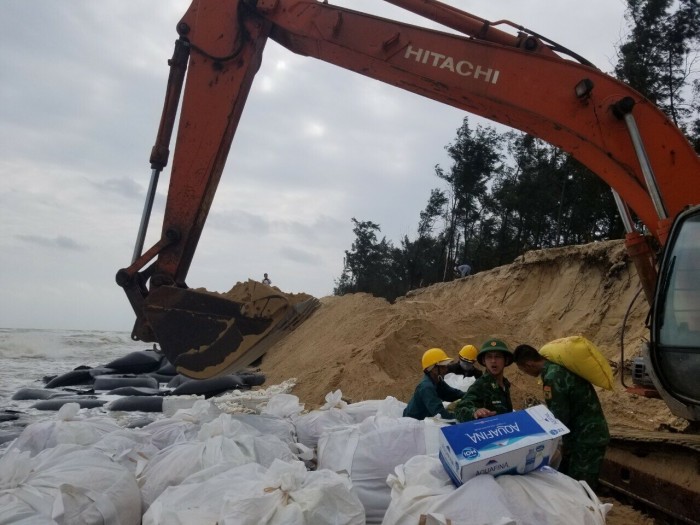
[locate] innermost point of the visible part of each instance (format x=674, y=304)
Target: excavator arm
x=520, y=80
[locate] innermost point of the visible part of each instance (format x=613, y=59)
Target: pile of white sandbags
x=260, y=458
x=544, y=497
x=67, y=484
x=370, y=451
x=250, y=494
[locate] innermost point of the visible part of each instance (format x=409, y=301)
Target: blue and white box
x=513, y=443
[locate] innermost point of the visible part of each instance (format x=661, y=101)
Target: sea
x=27, y=356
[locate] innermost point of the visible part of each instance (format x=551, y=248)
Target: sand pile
x=370, y=349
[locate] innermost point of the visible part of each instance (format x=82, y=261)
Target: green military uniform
x=484, y=393
x=575, y=403
x=428, y=397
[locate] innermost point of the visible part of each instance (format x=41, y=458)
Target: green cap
x=494, y=345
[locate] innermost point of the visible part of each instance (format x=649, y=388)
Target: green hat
x=494, y=345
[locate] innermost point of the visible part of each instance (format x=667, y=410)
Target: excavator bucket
x=206, y=335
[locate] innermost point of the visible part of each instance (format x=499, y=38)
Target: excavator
x=497, y=70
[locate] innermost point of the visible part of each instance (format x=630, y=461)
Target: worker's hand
x=483, y=412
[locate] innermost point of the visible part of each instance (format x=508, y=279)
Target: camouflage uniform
x=428, y=397
x=574, y=402
x=484, y=393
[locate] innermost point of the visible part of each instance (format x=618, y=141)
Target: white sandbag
x=310, y=427
x=167, y=432
x=261, y=448
x=552, y=498
x=270, y=424
x=182, y=426
x=68, y=484
x=389, y=407
x=545, y=497
x=223, y=440
x=284, y=494
x=198, y=499
x=200, y=412
x=283, y=405
x=459, y=381
x=174, y=463
x=370, y=451
x=17, y=512
x=173, y=404
x=128, y=447
x=422, y=487
x=251, y=401
x=67, y=428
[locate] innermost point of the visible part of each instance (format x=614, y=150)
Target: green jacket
x=574, y=402
x=428, y=397
x=484, y=393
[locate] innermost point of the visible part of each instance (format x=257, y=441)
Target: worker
x=574, y=402
x=432, y=390
x=490, y=394
x=465, y=364
x=462, y=270
x=266, y=280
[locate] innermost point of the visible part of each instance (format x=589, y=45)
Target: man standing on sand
x=490, y=394
x=432, y=390
x=574, y=402
x=266, y=280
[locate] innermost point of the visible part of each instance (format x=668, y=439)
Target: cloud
x=61, y=242
x=82, y=95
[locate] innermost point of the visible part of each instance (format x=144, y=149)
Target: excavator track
x=658, y=470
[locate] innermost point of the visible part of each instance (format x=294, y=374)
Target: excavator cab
x=674, y=349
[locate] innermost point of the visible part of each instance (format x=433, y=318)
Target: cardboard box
x=513, y=443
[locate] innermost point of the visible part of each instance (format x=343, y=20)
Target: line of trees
x=506, y=193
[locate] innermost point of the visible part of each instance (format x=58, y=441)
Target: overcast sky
x=81, y=91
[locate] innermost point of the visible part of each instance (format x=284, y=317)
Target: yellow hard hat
x=468, y=353
x=434, y=356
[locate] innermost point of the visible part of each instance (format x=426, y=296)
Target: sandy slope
x=370, y=349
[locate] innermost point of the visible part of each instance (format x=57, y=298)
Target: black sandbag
x=57, y=403
x=167, y=368
x=140, y=422
x=159, y=377
x=210, y=387
x=9, y=415
x=136, y=362
x=102, y=371
x=38, y=393
x=252, y=378
x=179, y=380
x=111, y=382
x=74, y=377
x=137, y=404
x=135, y=391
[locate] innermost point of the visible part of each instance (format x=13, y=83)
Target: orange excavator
x=497, y=70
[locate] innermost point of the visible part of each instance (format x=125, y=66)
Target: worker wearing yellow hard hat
x=465, y=364
x=432, y=390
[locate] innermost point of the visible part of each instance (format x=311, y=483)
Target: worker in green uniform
x=432, y=390
x=574, y=402
x=490, y=394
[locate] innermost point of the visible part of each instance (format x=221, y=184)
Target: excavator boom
x=513, y=77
